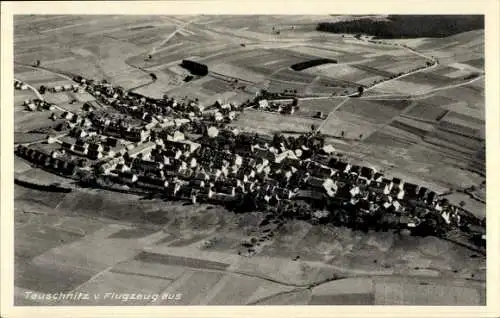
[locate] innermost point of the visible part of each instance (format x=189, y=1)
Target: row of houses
x=277, y=107
x=48, y=160
x=20, y=85
x=65, y=88
x=38, y=105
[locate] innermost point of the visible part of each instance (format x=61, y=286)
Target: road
x=423, y=94
x=37, y=93
x=40, y=97
x=171, y=35
x=330, y=115
x=435, y=64
x=40, y=140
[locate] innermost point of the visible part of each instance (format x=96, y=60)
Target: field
x=92, y=255
x=268, y=123
x=426, y=127
x=312, y=107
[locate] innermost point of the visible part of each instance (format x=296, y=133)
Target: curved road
x=435, y=64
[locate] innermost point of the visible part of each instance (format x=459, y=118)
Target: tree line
x=407, y=26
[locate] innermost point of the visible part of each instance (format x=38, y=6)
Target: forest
x=407, y=26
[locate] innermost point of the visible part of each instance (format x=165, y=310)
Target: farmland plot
x=217, y=86
x=29, y=121
x=400, y=293
x=293, y=76
x=312, y=107
x=429, y=109
x=235, y=290
x=268, y=123
x=194, y=286
x=280, y=87
x=376, y=112
x=233, y=71
x=352, y=125
x=48, y=277
x=404, y=87
x=429, y=78
x=315, y=51
x=343, y=72
x=121, y=283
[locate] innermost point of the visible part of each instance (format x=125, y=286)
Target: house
x=322, y=159
x=388, y=185
x=95, y=147
x=197, y=183
x=330, y=187
x=128, y=177
x=397, y=206
x=79, y=150
x=321, y=172
x=94, y=155
x=152, y=183
x=367, y=173
x=146, y=165
x=340, y=166
x=263, y=153
x=314, y=182
x=431, y=197
x=312, y=196
x=378, y=176
x=401, y=194
x=225, y=188
x=422, y=193
x=410, y=190
x=112, y=142
x=67, y=115
x=354, y=191
x=263, y=104
x=69, y=168
x=355, y=170
x=283, y=193
x=89, y=106
x=121, y=167
x=397, y=183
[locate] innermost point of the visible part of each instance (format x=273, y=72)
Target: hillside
x=407, y=26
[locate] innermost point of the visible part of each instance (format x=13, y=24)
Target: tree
x=37, y=63
x=313, y=127
x=360, y=90
x=462, y=204
x=342, y=134
x=361, y=136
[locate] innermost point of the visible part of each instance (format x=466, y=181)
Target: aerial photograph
x=165, y=160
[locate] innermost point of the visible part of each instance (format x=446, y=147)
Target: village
x=127, y=142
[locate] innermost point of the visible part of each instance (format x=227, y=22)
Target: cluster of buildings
x=147, y=109
x=48, y=159
x=65, y=88
x=38, y=105
x=20, y=85
x=190, y=155
x=277, y=107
